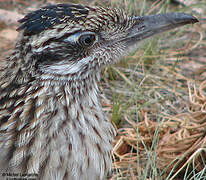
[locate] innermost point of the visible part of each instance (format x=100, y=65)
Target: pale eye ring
x=87, y=39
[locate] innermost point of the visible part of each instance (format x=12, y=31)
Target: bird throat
x=78, y=123
x=56, y=121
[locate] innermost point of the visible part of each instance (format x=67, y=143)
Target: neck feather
x=59, y=125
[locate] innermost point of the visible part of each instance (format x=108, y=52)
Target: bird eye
x=87, y=39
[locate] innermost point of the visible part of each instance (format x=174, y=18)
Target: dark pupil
x=87, y=40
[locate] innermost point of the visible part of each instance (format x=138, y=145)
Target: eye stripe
x=49, y=41
x=72, y=38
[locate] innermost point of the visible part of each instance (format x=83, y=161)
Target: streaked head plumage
x=70, y=39
x=75, y=41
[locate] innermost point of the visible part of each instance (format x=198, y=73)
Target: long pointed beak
x=146, y=26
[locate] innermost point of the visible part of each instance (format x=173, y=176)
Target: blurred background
x=156, y=96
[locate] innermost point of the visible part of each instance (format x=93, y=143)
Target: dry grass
x=160, y=92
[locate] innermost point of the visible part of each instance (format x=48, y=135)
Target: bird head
x=72, y=42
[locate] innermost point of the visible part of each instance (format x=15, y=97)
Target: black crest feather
x=48, y=16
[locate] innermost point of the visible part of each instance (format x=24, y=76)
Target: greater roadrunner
x=51, y=119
